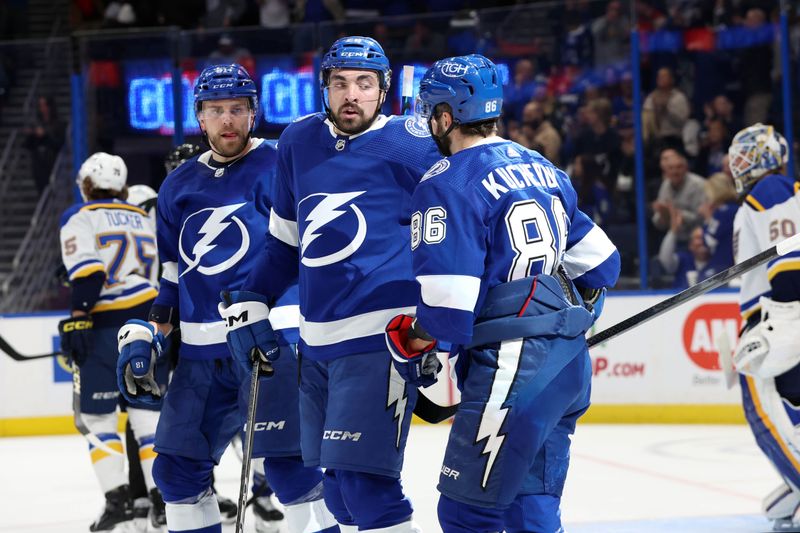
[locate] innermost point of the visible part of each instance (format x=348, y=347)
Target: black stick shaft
x=717, y=280
x=16, y=356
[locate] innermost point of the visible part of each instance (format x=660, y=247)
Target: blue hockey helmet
x=469, y=84
x=363, y=53
x=220, y=82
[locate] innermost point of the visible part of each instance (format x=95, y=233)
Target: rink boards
x=666, y=370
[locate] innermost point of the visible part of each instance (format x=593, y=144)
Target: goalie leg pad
x=775, y=424
x=781, y=502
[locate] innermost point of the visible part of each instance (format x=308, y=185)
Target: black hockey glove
x=76, y=338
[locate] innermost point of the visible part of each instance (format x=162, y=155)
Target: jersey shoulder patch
x=438, y=168
x=416, y=127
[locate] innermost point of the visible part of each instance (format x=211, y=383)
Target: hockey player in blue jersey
x=499, y=247
x=768, y=353
x=339, y=225
x=211, y=225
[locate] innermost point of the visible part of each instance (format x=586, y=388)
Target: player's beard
x=352, y=125
x=229, y=147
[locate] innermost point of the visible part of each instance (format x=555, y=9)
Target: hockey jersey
x=212, y=223
x=493, y=213
x=339, y=223
x=769, y=214
x=116, y=239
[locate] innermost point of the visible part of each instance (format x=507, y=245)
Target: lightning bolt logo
x=508, y=357
x=326, y=211
x=397, y=396
x=211, y=229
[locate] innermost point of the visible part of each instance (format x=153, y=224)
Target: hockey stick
x=16, y=356
x=249, y=431
x=408, y=88
x=720, y=278
x=80, y=425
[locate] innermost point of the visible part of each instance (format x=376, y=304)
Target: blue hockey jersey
x=211, y=225
x=339, y=223
x=494, y=213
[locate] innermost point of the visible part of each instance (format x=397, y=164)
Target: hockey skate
x=157, y=515
x=141, y=507
x=267, y=517
x=118, y=509
x=227, y=509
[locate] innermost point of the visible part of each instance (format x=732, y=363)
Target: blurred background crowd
x=707, y=68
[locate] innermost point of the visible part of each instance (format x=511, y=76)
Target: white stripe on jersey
x=170, y=271
x=354, y=327
x=588, y=253
x=207, y=333
x=454, y=292
x=283, y=229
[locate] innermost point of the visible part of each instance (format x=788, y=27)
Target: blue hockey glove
x=139, y=347
x=249, y=333
x=76, y=338
x=417, y=368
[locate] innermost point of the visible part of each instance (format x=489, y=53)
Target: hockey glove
x=139, y=347
x=76, y=338
x=417, y=368
x=593, y=300
x=249, y=333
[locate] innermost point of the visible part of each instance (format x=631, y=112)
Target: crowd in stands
x=708, y=68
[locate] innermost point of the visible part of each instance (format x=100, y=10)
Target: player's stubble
x=351, y=120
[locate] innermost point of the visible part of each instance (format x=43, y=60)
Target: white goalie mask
x=754, y=152
x=105, y=171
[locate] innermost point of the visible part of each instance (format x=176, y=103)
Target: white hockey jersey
x=118, y=239
x=769, y=214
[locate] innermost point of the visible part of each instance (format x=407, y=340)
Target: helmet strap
x=439, y=139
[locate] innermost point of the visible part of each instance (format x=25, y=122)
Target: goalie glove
x=249, y=332
x=418, y=368
x=139, y=348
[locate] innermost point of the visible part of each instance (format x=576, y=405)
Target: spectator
x=688, y=266
x=680, y=190
x=593, y=196
x=223, y=13
x=425, y=44
x=274, y=14
x=227, y=52
x=600, y=140
x=755, y=67
x=44, y=140
x=718, y=213
x=665, y=110
x=538, y=134
x=714, y=146
x=520, y=90
x=721, y=107
x=611, y=35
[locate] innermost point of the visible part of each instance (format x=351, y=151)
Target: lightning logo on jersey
x=212, y=227
x=328, y=208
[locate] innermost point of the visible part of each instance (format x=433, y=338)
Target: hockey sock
x=108, y=467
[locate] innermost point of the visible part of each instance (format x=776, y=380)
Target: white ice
x=622, y=478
